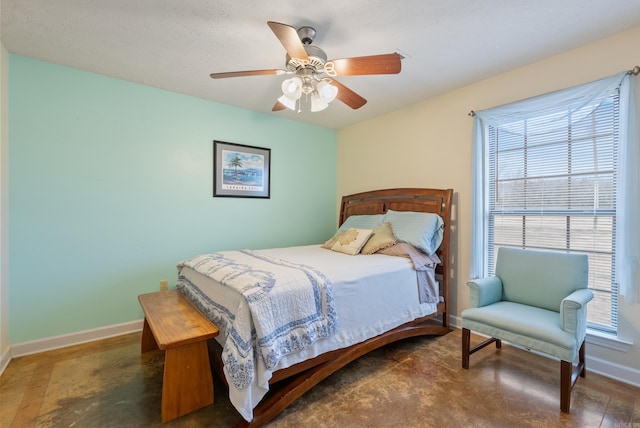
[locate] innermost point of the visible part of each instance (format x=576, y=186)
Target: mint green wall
x=110, y=185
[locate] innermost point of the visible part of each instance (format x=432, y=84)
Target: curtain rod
x=635, y=71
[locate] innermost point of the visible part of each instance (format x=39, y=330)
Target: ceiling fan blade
x=363, y=65
x=289, y=38
x=278, y=106
x=348, y=97
x=244, y=73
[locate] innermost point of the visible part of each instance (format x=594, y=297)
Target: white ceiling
x=175, y=45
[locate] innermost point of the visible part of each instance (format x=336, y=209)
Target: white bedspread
x=372, y=293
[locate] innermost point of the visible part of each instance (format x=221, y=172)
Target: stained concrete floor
x=417, y=382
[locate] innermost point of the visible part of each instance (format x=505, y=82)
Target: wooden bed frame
x=289, y=384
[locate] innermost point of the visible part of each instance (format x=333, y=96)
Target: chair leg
x=583, y=371
x=466, y=346
x=566, y=368
x=568, y=378
x=466, y=340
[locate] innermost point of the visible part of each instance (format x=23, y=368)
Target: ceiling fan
x=313, y=75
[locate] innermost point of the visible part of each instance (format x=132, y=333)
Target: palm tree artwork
x=243, y=171
x=236, y=163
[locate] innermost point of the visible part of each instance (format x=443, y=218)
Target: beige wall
x=429, y=145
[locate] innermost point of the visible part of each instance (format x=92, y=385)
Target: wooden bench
x=172, y=323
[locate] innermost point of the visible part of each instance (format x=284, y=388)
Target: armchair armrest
x=573, y=313
x=484, y=291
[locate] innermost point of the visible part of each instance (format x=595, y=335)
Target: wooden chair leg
x=583, y=371
x=568, y=378
x=467, y=350
x=566, y=368
x=466, y=340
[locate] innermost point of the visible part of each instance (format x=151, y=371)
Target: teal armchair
x=538, y=300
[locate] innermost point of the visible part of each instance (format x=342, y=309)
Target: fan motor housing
x=317, y=59
x=306, y=34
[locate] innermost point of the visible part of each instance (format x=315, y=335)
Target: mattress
x=372, y=294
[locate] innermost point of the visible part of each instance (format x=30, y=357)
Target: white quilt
x=285, y=308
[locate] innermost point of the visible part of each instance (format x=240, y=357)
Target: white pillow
x=422, y=230
x=351, y=241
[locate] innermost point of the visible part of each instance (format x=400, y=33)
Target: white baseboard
x=612, y=370
x=602, y=367
x=47, y=344
x=5, y=357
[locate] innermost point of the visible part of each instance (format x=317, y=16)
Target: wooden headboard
x=437, y=201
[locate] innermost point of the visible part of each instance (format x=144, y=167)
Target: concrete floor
x=417, y=382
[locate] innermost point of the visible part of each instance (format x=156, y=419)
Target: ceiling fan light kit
x=287, y=102
x=317, y=103
x=314, y=76
x=292, y=88
x=322, y=92
x=327, y=91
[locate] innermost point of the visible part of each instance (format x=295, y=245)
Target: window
x=555, y=190
x=548, y=177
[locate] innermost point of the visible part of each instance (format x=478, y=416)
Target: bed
x=343, y=307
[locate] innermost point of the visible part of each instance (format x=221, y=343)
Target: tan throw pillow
x=351, y=241
x=382, y=238
x=333, y=239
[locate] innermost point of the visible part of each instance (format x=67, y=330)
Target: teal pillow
x=370, y=221
x=422, y=230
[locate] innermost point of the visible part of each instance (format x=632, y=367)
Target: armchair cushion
x=527, y=326
x=540, y=278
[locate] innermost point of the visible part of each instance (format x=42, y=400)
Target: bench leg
x=187, y=384
x=148, y=342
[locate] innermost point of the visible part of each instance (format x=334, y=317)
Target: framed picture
x=241, y=171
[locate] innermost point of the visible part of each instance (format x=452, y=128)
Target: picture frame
x=241, y=171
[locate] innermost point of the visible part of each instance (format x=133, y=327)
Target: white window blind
x=554, y=188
